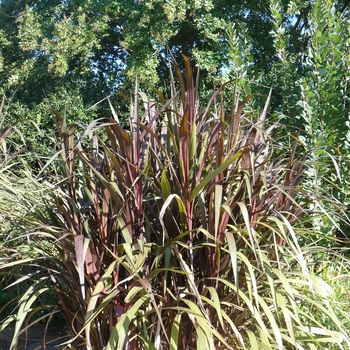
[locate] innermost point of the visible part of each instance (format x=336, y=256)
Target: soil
x=34, y=339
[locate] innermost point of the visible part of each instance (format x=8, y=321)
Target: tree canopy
x=97, y=45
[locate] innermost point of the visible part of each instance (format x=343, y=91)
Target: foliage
x=85, y=42
x=180, y=233
x=35, y=129
x=332, y=266
x=313, y=88
x=87, y=49
x=68, y=55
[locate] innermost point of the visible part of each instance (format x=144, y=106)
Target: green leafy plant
x=314, y=88
x=180, y=233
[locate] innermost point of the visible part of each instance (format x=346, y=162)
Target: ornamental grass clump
x=180, y=233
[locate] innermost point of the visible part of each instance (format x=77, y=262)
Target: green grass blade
x=175, y=332
x=120, y=331
x=214, y=173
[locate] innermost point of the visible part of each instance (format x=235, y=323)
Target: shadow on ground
x=34, y=339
